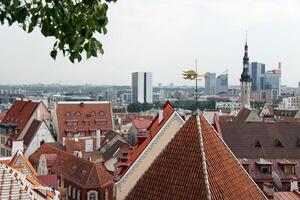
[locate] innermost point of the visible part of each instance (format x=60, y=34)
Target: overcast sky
x=165, y=37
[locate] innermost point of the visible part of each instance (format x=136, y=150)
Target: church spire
x=245, y=77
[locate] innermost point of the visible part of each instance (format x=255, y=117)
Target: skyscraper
x=273, y=80
x=222, y=83
x=142, y=87
x=210, y=83
x=257, y=71
x=245, y=81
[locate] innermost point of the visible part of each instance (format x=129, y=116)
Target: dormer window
x=265, y=169
x=77, y=114
x=93, y=113
x=101, y=113
x=278, y=143
x=67, y=114
x=257, y=144
x=289, y=169
x=246, y=167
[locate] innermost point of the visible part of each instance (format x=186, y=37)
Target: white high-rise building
x=142, y=90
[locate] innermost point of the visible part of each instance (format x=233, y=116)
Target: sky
x=165, y=37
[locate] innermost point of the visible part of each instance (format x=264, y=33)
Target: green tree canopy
x=73, y=23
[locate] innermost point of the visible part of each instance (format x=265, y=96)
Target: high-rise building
x=222, y=83
x=273, y=80
x=142, y=89
x=245, y=81
x=298, y=84
x=257, y=71
x=210, y=83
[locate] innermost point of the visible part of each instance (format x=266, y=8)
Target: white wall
x=43, y=133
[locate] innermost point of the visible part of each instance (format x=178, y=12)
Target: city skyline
x=213, y=32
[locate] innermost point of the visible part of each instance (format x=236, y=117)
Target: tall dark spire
x=245, y=77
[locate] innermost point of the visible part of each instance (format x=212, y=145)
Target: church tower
x=245, y=81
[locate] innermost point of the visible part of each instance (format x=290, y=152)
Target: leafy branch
x=73, y=23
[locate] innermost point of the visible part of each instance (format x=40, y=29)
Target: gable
x=253, y=117
x=148, y=155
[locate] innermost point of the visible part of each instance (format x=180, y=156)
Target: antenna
x=246, y=36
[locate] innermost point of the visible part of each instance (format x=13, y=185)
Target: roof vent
x=257, y=144
x=278, y=143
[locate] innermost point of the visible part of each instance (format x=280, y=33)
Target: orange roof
x=196, y=164
x=153, y=129
x=75, y=169
x=97, y=114
x=20, y=112
x=141, y=123
x=21, y=162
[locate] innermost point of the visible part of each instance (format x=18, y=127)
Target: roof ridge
x=226, y=146
x=203, y=160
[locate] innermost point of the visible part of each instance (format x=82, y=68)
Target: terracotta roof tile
x=196, y=164
x=20, y=112
x=83, y=172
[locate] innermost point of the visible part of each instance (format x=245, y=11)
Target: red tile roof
x=141, y=123
x=196, y=164
x=49, y=180
x=295, y=195
x=153, y=129
x=82, y=112
x=78, y=170
x=20, y=112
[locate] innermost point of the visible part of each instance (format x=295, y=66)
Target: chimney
x=64, y=141
x=294, y=184
x=160, y=115
x=17, y=145
x=98, y=139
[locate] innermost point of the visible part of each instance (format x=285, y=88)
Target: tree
x=135, y=107
x=73, y=23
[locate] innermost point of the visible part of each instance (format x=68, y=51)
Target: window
x=278, y=143
x=2, y=140
x=92, y=195
x=72, y=123
x=2, y=151
x=77, y=114
x=67, y=114
x=101, y=113
x=106, y=194
x=265, y=169
x=70, y=190
x=257, y=144
x=87, y=123
x=78, y=194
x=74, y=193
x=289, y=169
x=93, y=113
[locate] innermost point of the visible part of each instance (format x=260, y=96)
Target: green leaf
x=53, y=54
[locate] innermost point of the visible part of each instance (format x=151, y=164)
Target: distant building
x=298, y=84
x=142, y=89
x=228, y=105
x=210, y=83
x=273, y=80
x=245, y=81
x=257, y=71
x=291, y=103
x=222, y=84
x=81, y=119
